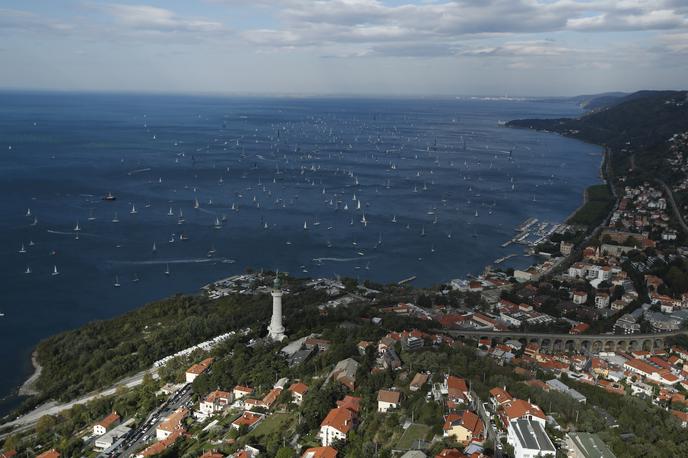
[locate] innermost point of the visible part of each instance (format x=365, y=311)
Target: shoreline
x=28, y=387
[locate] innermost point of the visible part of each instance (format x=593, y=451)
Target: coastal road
x=677, y=212
x=145, y=433
x=53, y=408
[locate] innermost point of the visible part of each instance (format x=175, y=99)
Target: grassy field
x=273, y=424
x=598, y=203
x=412, y=435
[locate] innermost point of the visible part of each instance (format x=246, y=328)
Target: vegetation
x=100, y=353
x=598, y=202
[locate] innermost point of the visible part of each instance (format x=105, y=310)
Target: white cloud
x=144, y=17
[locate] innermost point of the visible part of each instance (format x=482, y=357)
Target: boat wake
x=340, y=259
x=176, y=261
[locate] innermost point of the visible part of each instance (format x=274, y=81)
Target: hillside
x=639, y=121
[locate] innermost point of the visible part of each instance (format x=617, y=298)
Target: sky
x=362, y=47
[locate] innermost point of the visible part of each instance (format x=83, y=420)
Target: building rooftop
x=590, y=446
x=531, y=435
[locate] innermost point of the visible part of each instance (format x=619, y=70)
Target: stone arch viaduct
x=566, y=342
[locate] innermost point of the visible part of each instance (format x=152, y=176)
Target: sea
x=205, y=187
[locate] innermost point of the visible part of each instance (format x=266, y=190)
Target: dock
x=406, y=280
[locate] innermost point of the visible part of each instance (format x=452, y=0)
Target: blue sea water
x=282, y=162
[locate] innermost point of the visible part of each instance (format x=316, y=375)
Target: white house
x=336, y=426
x=171, y=424
x=387, y=399
x=529, y=439
x=215, y=402
x=106, y=424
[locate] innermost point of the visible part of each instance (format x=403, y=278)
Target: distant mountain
x=641, y=120
x=598, y=101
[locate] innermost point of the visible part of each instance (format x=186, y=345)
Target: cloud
x=150, y=18
x=26, y=20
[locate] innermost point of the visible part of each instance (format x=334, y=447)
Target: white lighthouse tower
x=276, y=330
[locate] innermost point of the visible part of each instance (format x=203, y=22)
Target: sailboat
x=211, y=251
x=28, y=212
x=154, y=248
x=169, y=212
x=116, y=284
x=22, y=250
x=35, y=221
x=167, y=269
x=133, y=210
x=115, y=219
x=196, y=204
x=394, y=218
x=305, y=226
x=77, y=228
x=55, y=271
x=28, y=270
x=217, y=224
x=91, y=217
x=422, y=232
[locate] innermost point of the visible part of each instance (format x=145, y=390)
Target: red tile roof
x=340, y=419
x=520, y=408
x=320, y=452
x=299, y=387
x=351, y=403
x=160, y=446
x=52, y=453
x=200, y=367
x=109, y=420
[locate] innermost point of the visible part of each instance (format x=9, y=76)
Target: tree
x=285, y=452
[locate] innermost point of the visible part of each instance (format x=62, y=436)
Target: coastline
x=28, y=387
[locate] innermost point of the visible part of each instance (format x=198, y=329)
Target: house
x=587, y=445
x=418, y=381
x=320, y=344
x=298, y=390
x=519, y=409
x=580, y=297
x=529, y=439
x=248, y=419
x=215, y=402
x=457, y=389
x=160, y=446
x=171, y=424
x=681, y=416
x=387, y=399
x=247, y=452
x=52, y=453
x=602, y=300
x=320, y=452
x=499, y=397
x=450, y=453
x=105, y=441
x=197, y=369
x=565, y=247
x=8, y=453
x=578, y=329
x=345, y=373
x=106, y=424
x=212, y=454
x=336, y=426
x=464, y=427
x=240, y=391
x=351, y=403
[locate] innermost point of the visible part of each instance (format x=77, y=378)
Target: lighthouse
x=276, y=330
